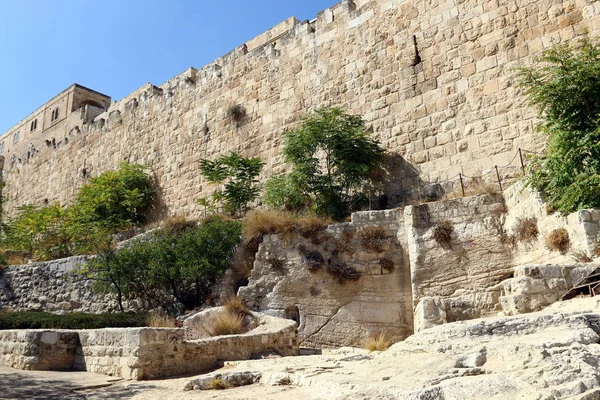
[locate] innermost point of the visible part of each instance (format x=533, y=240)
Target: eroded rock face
x=293, y=279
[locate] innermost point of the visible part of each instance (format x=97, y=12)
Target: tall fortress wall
x=434, y=79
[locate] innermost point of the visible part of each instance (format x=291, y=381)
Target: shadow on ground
x=21, y=385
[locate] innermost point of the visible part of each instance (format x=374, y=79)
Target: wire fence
x=462, y=185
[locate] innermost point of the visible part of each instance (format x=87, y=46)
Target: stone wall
x=38, y=349
x=582, y=226
x=48, y=286
x=434, y=80
x=141, y=353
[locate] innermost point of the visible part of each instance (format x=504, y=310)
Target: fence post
x=498, y=176
x=462, y=186
x=522, y=163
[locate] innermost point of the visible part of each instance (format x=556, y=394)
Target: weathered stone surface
x=331, y=313
x=534, y=287
x=49, y=286
x=552, y=354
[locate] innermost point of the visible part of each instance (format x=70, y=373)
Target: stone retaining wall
x=47, y=286
x=141, y=353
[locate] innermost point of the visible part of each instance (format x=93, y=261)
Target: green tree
x=238, y=175
x=167, y=266
x=333, y=159
x=287, y=192
x=565, y=87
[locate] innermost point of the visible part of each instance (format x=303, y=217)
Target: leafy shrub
x=43, y=320
x=377, y=342
x=286, y=192
x=373, y=238
x=227, y=323
x=558, y=240
x=109, y=202
x=238, y=176
x=116, y=198
x=181, y=266
x=442, y=234
x=526, y=229
x=565, y=86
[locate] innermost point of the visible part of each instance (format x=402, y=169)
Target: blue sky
x=115, y=46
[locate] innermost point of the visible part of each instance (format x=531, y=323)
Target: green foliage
x=167, y=265
x=116, y=198
x=286, y=192
x=109, y=202
x=565, y=87
x=333, y=159
x=238, y=176
x=43, y=320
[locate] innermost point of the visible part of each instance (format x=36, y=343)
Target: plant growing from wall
x=333, y=161
x=238, y=176
x=565, y=87
x=558, y=240
x=237, y=113
x=442, y=234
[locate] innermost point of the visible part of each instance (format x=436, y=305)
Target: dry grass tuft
x=310, y=225
x=343, y=243
x=377, y=342
x=218, y=384
x=473, y=187
x=313, y=260
x=558, y=240
x=235, y=305
x=177, y=223
x=442, y=233
x=276, y=263
x=260, y=223
x=227, y=323
x=373, y=238
x=387, y=265
x=160, y=319
x=526, y=229
x=342, y=272
x=581, y=257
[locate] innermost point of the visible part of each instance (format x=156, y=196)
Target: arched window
x=33, y=125
x=54, y=114
x=16, y=137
